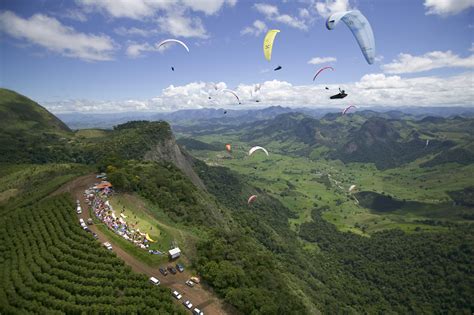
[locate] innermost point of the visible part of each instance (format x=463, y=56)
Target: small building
x=174, y=253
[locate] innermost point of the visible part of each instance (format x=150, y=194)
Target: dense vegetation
x=390, y=272
x=422, y=273
x=51, y=266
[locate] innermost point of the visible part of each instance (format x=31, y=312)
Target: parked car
x=95, y=235
x=163, y=271
x=154, y=281
x=176, y=295
x=195, y=280
x=180, y=267
x=196, y=311
x=79, y=210
x=108, y=245
x=189, y=283
x=172, y=269
x=188, y=304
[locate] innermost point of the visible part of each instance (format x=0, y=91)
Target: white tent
x=174, y=253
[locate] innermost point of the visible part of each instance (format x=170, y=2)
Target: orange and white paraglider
x=228, y=147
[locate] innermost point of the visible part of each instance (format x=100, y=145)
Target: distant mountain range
x=205, y=116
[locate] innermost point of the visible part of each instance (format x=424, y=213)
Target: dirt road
x=201, y=298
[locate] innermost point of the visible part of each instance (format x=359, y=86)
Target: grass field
x=302, y=184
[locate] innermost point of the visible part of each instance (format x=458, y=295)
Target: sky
x=102, y=56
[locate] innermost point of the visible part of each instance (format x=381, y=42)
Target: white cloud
x=51, y=34
x=319, y=60
x=134, y=31
x=207, y=6
x=76, y=15
x=177, y=24
x=407, y=63
x=272, y=13
x=447, y=7
x=139, y=9
x=375, y=89
x=329, y=7
x=257, y=28
x=135, y=50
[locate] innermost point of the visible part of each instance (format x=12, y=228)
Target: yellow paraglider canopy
x=149, y=238
x=268, y=43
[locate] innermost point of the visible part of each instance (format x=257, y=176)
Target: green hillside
x=19, y=113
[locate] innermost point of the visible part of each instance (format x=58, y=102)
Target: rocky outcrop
x=168, y=150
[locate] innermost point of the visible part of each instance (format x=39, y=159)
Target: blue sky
x=100, y=55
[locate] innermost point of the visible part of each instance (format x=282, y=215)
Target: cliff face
x=168, y=150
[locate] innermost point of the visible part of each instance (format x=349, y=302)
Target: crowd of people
x=97, y=197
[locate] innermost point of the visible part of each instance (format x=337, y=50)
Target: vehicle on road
x=176, y=295
x=172, y=269
x=163, y=271
x=108, y=245
x=189, y=283
x=188, y=304
x=154, y=281
x=180, y=267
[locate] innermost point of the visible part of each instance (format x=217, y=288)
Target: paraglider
x=347, y=108
x=172, y=68
x=167, y=41
x=277, y=68
x=321, y=70
x=233, y=93
x=251, y=199
x=341, y=94
x=228, y=147
x=268, y=43
x=252, y=150
x=427, y=142
x=360, y=28
x=326, y=88
x=351, y=189
x=225, y=112
x=257, y=101
x=257, y=87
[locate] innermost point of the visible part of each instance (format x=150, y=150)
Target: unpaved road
x=201, y=298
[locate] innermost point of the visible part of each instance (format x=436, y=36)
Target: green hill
x=18, y=112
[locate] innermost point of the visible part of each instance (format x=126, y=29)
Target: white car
x=154, y=281
x=188, y=304
x=108, y=245
x=177, y=295
x=81, y=220
x=189, y=283
x=196, y=311
x=79, y=210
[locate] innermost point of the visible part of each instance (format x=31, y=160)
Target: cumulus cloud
x=447, y=7
x=139, y=9
x=173, y=17
x=134, y=31
x=406, y=63
x=375, y=89
x=329, y=7
x=177, y=24
x=257, y=28
x=49, y=33
x=319, y=60
x=272, y=13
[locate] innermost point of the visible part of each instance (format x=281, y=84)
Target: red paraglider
x=321, y=70
x=347, y=108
